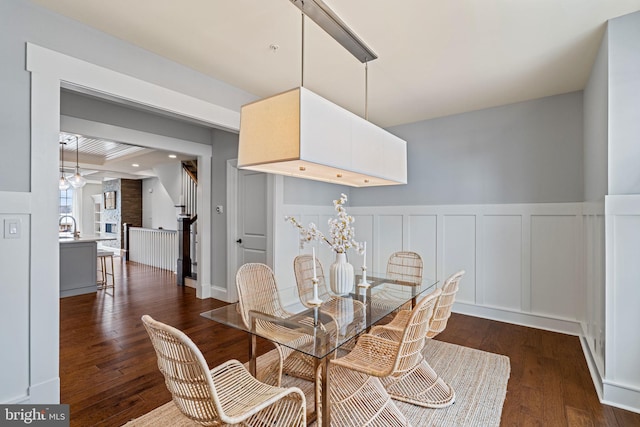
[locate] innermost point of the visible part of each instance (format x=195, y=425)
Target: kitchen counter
x=79, y=264
x=87, y=238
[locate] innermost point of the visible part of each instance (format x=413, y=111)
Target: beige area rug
x=478, y=378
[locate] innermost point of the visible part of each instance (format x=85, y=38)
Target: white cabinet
x=97, y=214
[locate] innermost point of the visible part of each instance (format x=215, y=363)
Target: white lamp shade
x=299, y=133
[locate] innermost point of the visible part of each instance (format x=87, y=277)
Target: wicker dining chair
x=441, y=312
x=258, y=292
x=348, y=313
x=224, y=395
x=398, y=360
x=407, y=267
x=358, y=399
x=410, y=387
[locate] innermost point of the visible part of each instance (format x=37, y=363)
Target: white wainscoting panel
x=459, y=253
x=539, y=265
x=423, y=239
x=502, y=266
x=519, y=259
x=594, y=269
x=625, y=296
x=389, y=240
x=554, y=272
x=621, y=385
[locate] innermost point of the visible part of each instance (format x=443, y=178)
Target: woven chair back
x=303, y=269
x=406, y=266
x=185, y=372
x=413, y=336
x=257, y=291
x=442, y=309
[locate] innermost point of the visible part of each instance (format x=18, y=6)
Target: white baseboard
x=219, y=293
x=593, y=369
x=45, y=392
x=621, y=396
x=568, y=327
x=19, y=400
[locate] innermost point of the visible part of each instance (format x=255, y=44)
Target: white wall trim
x=535, y=296
x=591, y=364
x=15, y=202
x=622, y=349
x=232, y=227
x=564, y=326
x=621, y=396
x=49, y=70
x=132, y=136
x=103, y=80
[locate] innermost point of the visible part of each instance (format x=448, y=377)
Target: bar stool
x=104, y=273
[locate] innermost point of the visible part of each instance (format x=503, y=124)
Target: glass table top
x=320, y=330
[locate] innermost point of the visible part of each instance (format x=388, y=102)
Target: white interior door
x=252, y=226
x=249, y=223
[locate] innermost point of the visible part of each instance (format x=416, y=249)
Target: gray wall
x=624, y=104
x=158, y=209
x=89, y=108
x=21, y=21
x=596, y=127
x=225, y=147
x=298, y=191
x=529, y=152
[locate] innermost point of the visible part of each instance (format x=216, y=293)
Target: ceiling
x=101, y=160
x=436, y=58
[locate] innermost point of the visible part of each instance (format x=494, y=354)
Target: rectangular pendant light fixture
x=299, y=133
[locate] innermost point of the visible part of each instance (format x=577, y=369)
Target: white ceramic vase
x=341, y=275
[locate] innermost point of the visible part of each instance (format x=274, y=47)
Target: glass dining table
x=330, y=326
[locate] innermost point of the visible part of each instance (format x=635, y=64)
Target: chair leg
x=113, y=280
x=102, y=282
x=358, y=399
x=420, y=386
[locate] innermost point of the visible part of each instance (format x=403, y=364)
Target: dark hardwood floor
x=109, y=374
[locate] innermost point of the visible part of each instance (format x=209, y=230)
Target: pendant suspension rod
x=302, y=53
x=77, y=154
x=366, y=91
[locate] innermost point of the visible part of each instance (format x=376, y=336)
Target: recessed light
x=135, y=165
x=172, y=156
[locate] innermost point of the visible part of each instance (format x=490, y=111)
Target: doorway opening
x=49, y=69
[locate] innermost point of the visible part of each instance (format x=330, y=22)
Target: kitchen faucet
x=76, y=233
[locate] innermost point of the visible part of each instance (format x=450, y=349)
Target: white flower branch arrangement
x=341, y=230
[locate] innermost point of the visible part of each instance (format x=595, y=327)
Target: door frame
x=232, y=229
x=50, y=71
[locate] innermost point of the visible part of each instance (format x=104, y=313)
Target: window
x=66, y=208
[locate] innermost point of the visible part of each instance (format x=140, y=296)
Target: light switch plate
x=12, y=228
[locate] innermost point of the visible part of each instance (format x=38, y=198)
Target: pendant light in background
x=77, y=180
x=63, y=184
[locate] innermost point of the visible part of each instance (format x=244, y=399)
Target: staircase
x=187, y=225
